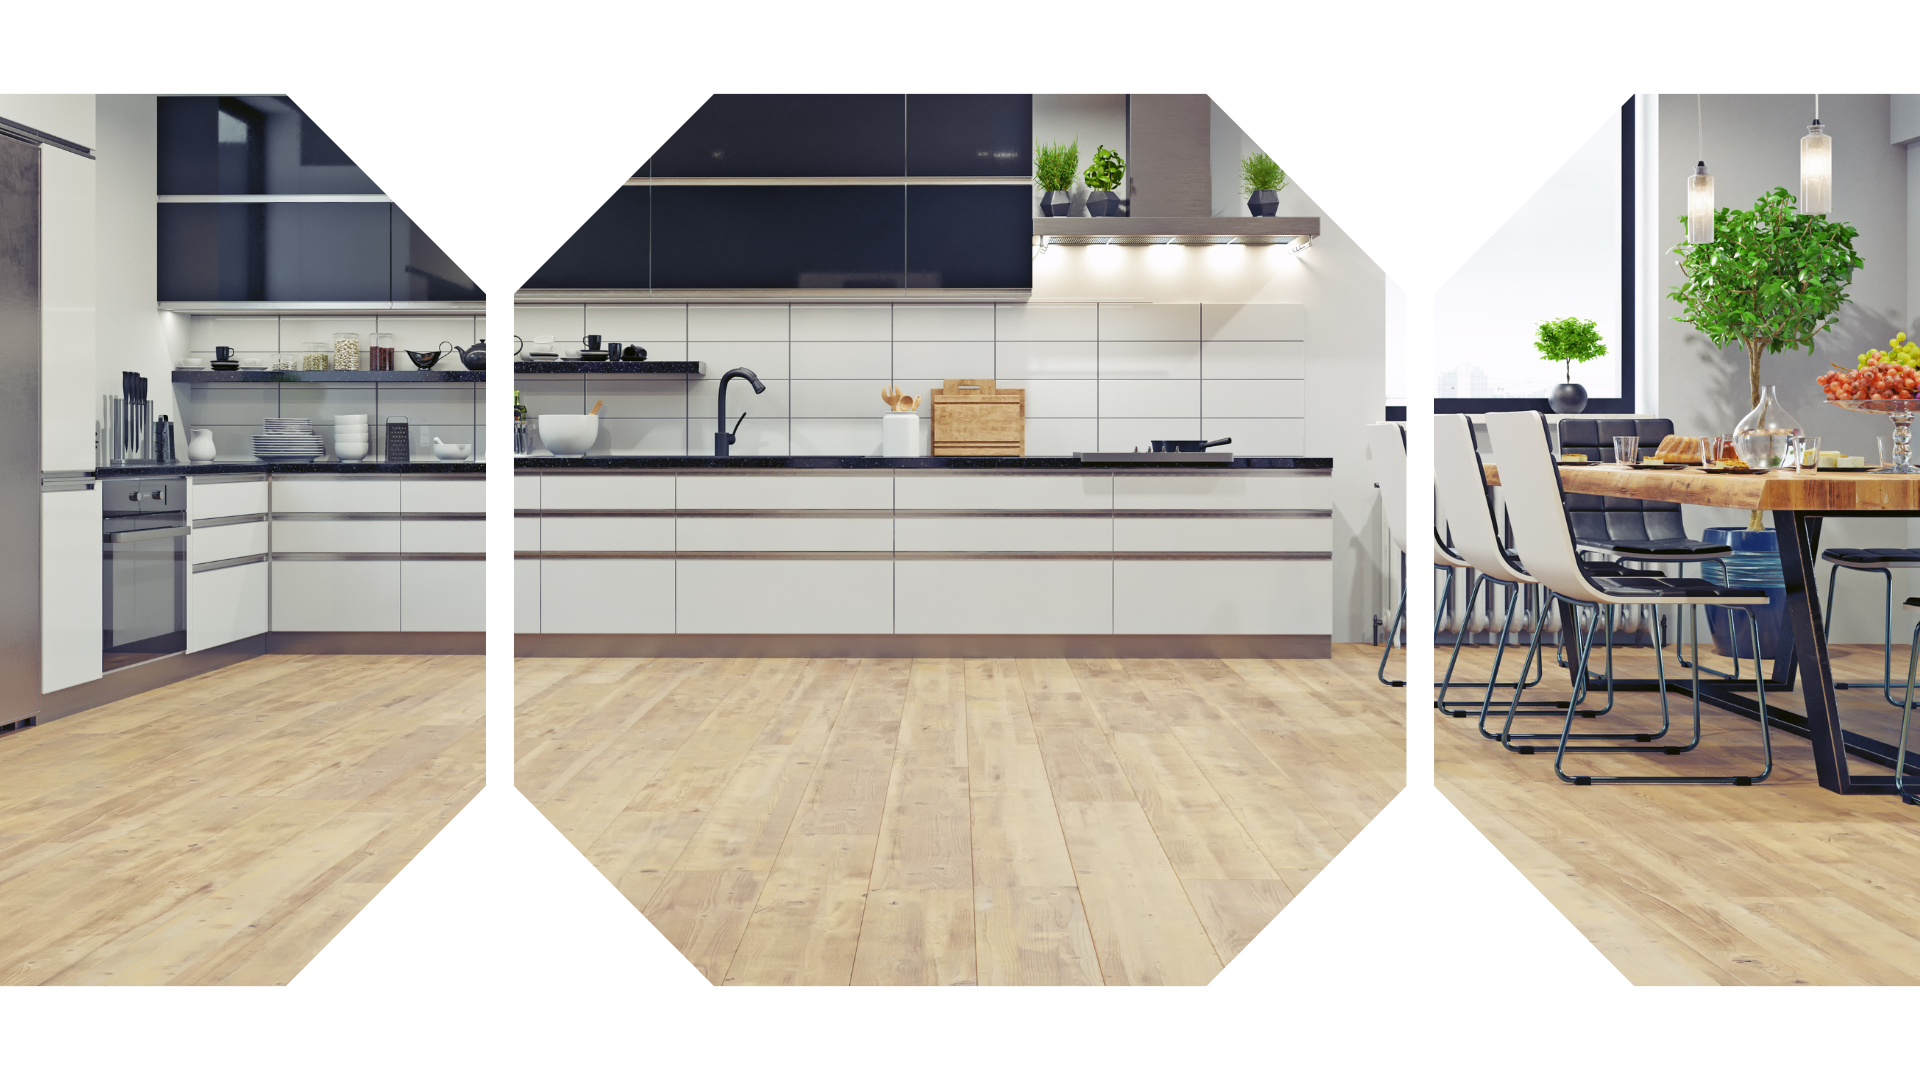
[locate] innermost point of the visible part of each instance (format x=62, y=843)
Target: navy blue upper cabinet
x=969, y=134
x=275, y=251
x=421, y=271
x=610, y=251
x=788, y=135
x=250, y=146
x=778, y=237
x=972, y=237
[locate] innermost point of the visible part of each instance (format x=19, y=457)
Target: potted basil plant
x=1568, y=342
x=1103, y=175
x=1260, y=181
x=1053, y=167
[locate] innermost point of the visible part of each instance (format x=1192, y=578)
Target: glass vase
x=1764, y=437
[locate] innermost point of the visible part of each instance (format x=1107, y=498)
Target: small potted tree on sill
x=1260, y=181
x=1053, y=167
x=1569, y=341
x=1103, y=175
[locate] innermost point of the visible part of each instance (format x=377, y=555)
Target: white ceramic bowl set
x=352, y=437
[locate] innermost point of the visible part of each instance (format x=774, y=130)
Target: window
x=1567, y=251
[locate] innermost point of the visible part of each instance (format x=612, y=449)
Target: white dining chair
x=1388, y=444
x=1545, y=543
x=1906, y=714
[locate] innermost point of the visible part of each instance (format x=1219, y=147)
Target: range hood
x=1170, y=187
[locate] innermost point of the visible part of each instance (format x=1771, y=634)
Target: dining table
x=1798, y=502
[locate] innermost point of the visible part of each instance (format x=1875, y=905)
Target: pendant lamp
x=1816, y=167
x=1700, y=189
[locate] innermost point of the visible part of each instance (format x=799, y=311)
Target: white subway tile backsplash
x=552, y=393
x=248, y=334
x=842, y=360
x=1149, y=360
x=737, y=322
x=1046, y=360
x=943, y=322
x=206, y=405
x=1056, y=397
x=424, y=334
x=425, y=405
x=767, y=359
x=703, y=396
x=922, y=363
x=1253, y=322
x=622, y=436
x=836, y=398
x=1149, y=322
x=295, y=332
x=1150, y=397
x=1253, y=360
x=637, y=324
x=1061, y=438
x=837, y=437
x=651, y=396
x=1046, y=322
x=563, y=322
x=1259, y=437
x=1128, y=434
x=1253, y=397
x=321, y=402
x=842, y=322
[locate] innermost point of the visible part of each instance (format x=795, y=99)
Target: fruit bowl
x=1900, y=411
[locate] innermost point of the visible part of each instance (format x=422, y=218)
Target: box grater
x=399, y=439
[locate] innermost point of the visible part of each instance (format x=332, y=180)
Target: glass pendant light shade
x=1700, y=206
x=1816, y=170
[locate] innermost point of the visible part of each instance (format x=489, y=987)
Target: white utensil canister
x=200, y=447
x=900, y=435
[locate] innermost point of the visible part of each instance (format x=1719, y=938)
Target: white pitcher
x=200, y=448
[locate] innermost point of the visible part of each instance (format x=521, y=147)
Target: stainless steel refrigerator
x=19, y=429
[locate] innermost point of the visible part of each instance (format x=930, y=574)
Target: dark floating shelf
x=609, y=367
x=328, y=376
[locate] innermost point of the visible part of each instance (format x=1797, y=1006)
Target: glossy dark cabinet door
x=788, y=135
x=610, y=251
x=969, y=237
x=421, y=271
x=249, y=146
x=275, y=251
x=778, y=238
x=969, y=134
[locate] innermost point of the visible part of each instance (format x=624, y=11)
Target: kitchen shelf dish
x=1900, y=411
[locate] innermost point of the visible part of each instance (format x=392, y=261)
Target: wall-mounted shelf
x=181, y=376
x=1176, y=230
x=609, y=367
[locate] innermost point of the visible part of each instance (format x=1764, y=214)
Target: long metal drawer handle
x=138, y=535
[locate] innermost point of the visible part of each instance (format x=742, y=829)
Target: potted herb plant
x=1770, y=279
x=1103, y=175
x=1569, y=341
x=1053, y=167
x=1260, y=181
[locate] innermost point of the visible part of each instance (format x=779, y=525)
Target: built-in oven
x=144, y=534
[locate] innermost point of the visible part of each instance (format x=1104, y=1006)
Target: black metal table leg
x=1810, y=641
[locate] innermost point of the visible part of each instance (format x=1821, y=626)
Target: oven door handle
x=137, y=535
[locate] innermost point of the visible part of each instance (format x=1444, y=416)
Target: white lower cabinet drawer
x=70, y=589
x=336, y=536
x=1004, y=596
x=526, y=493
x=1003, y=534
x=336, y=594
x=443, y=496
x=1229, y=489
x=206, y=500
x=1223, y=596
x=605, y=596
x=226, y=605
x=468, y=537
x=1223, y=534
x=526, y=596
x=783, y=596
x=207, y=544
x=526, y=534
x=443, y=595
x=336, y=495
x=784, y=534
x=606, y=534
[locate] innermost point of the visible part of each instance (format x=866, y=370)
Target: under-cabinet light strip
x=827, y=181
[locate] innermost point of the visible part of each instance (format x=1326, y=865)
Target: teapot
x=475, y=356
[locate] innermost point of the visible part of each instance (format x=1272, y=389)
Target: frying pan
x=1185, y=446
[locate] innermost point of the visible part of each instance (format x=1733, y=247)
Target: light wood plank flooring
x=222, y=829
x=1780, y=883
x=958, y=822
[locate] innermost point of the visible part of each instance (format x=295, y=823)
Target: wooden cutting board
x=973, y=418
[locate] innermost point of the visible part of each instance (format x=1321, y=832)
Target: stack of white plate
x=287, y=439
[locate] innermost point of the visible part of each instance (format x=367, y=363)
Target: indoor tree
x=1569, y=341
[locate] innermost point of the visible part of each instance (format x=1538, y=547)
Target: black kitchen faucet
x=724, y=438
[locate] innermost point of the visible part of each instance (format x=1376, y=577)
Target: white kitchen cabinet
x=606, y=534
x=430, y=535
x=1223, y=596
x=797, y=492
x=1226, y=489
x=335, y=536
x=336, y=495
x=526, y=596
x=231, y=499
x=443, y=595
x=526, y=534
x=1004, y=596
x=781, y=596
x=69, y=397
x=1003, y=534
x=443, y=495
x=526, y=493
x=606, y=596
x=784, y=534
x=216, y=543
x=606, y=493
x=1002, y=492
x=1291, y=534
x=225, y=605
x=336, y=594
x=70, y=589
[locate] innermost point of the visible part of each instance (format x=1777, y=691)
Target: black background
x=1416, y=904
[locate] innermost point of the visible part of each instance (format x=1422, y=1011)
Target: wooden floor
x=222, y=829
x=1780, y=883
x=956, y=822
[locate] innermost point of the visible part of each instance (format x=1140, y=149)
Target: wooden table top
x=1781, y=489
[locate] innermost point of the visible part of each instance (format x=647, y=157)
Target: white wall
x=130, y=333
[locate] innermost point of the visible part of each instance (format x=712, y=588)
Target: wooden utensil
x=596, y=407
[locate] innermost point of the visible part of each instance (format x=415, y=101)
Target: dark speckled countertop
x=355, y=468
x=1034, y=464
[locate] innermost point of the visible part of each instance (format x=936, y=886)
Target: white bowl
x=568, y=435
x=353, y=442
x=351, y=430
x=350, y=419
x=192, y=363
x=447, y=451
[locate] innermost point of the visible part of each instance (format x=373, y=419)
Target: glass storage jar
x=380, y=350
x=286, y=361
x=346, y=352
x=315, y=356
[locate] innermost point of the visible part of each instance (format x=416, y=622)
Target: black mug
x=613, y=350
x=591, y=343
x=222, y=353
x=633, y=352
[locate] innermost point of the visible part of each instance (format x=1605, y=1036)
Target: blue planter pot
x=1754, y=564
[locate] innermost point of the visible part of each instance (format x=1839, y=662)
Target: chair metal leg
x=1393, y=632
x=1581, y=685
x=1906, y=719
x=1886, y=683
x=1446, y=683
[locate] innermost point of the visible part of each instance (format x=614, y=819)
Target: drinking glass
x=1626, y=449
x=1806, y=453
x=1886, y=450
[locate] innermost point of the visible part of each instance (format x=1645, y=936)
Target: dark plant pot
x=1569, y=398
x=1104, y=204
x=1754, y=564
x=1056, y=204
x=1263, y=203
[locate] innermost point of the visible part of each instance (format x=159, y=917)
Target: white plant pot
x=900, y=435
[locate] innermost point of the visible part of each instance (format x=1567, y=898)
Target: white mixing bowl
x=568, y=435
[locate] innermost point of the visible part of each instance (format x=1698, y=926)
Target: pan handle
x=1217, y=442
